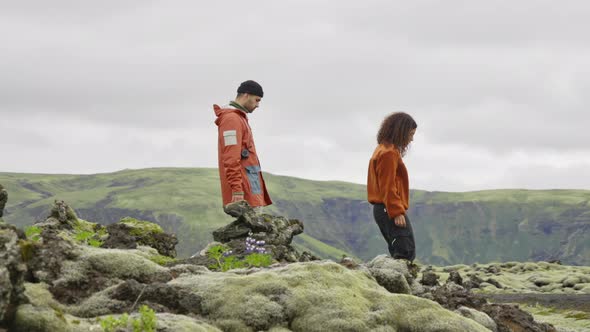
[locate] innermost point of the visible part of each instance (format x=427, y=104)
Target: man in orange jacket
x=239, y=167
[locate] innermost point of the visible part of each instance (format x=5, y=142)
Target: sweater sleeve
x=230, y=136
x=386, y=171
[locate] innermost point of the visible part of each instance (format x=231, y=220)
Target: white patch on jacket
x=230, y=137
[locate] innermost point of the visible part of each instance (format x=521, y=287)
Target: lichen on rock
x=130, y=232
x=12, y=272
x=277, y=232
x=315, y=296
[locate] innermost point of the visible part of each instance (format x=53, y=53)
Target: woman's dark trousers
x=400, y=240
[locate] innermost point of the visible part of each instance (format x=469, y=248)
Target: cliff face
x=459, y=232
x=451, y=228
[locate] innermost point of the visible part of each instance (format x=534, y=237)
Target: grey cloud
x=495, y=77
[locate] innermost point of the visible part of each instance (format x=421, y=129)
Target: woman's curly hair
x=395, y=129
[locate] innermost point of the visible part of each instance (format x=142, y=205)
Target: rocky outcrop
x=496, y=317
x=394, y=275
x=3, y=200
x=128, y=233
x=12, y=272
x=276, y=232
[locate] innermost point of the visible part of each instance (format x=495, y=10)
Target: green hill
x=451, y=228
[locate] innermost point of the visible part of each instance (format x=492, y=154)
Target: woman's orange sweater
x=388, y=182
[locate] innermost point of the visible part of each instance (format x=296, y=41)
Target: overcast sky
x=500, y=89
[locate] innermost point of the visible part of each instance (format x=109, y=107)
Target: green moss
x=526, y=277
x=111, y=324
x=124, y=264
x=350, y=300
x=579, y=315
x=33, y=233
x=147, y=320
x=83, y=236
x=89, y=233
x=102, y=232
x=565, y=319
x=27, y=249
x=38, y=295
x=162, y=260
x=83, y=225
x=59, y=313
x=32, y=319
x=141, y=228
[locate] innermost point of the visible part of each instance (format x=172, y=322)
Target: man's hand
x=237, y=197
x=400, y=221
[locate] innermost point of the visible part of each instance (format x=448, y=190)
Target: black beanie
x=251, y=87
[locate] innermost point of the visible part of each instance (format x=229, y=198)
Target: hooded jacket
x=239, y=167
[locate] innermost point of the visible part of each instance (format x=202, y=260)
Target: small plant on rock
x=256, y=256
x=88, y=233
x=33, y=233
x=224, y=260
x=162, y=260
x=87, y=237
x=146, y=322
x=111, y=324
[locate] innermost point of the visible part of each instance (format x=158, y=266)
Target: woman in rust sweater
x=388, y=186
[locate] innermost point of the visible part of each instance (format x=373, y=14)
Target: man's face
x=252, y=102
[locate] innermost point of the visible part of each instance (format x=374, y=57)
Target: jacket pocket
x=254, y=178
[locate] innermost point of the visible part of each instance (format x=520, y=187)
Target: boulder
x=455, y=277
x=3, y=200
x=393, y=274
x=510, y=318
x=12, y=272
x=453, y=296
x=429, y=278
x=129, y=295
x=277, y=233
x=130, y=232
x=479, y=317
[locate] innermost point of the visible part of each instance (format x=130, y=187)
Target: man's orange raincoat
x=239, y=167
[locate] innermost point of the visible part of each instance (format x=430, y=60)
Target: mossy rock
x=38, y=294
x=315, y=296
x=180, y=323
x=27, y=249
x=141, y=228
x=30, y=318
x=3, y=200
x=123, y=264
x=130, y=232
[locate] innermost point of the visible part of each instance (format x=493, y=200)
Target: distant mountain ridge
x=451, y=228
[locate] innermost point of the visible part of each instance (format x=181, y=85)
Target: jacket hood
x=222, y=111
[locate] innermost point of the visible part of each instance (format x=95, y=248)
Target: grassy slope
x=497, y=225
x=190, y=194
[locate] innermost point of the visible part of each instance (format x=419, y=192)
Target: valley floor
x=579, y=302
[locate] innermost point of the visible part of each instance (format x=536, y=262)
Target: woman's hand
x=400, y=221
